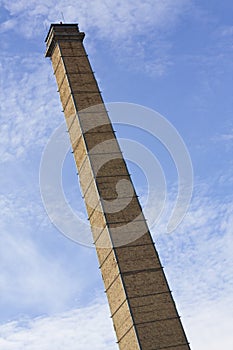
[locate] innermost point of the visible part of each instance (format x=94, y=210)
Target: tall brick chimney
x=142, y=308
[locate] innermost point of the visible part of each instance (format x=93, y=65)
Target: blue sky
x=173, y=56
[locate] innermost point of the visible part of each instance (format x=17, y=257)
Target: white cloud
x=111, y=19
x=198, y=263
x=27, y=83
x=197, y=258
x=227, y=31
x=226, y=137
x=127, y=26
x=26, y=105
x=201, y=248
x=31, y=277
x=210, y=325
x=7, y=25
x=81, y=329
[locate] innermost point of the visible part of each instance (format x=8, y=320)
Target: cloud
x=198, y=264
x=223, y=141
x=34, y=277
x=197, y=258
x=209, y=326
x=90, y=328
x=110, y=19
x=227, y=31
x=200, y=249
x=7, y=25
x=127, y=26
x=225, y=137
x=85, y=329
x=26, y=105
x=27, y=100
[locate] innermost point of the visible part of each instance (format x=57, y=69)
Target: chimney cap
x=52, y=25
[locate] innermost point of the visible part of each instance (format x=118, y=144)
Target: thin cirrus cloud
x=201, y=249
x=26, y=79
x=197, y=259
x=90, y=328
x=120, y=23
x=209, y=326
x=27, y=274
x=26, y=125
x=7, y=25
x=109, y=18
x=86, y=328
x=225, y=137
x=198, y=264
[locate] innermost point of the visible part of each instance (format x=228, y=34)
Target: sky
x=171, y=56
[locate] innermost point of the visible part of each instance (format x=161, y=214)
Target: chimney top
x=61, y=31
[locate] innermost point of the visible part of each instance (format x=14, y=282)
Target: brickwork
x=142, y=308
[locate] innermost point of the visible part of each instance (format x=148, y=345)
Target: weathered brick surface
x=103, y=242
x=122, y=320
x=112, y=187
x=152, y=307
x=129, y=341
x=142, y=308
x=116, y=294
x=161, y=334
x=137, y=258
x=110, y=269
x=112, y=164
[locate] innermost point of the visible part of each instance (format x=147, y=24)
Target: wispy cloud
x=128, y=25
x=225, y=137
x=26, y=105
x=227, y=31
x=198, y=263
x=7, y=25
x=81, y=329
x=26, y=80
x=33, y=278
x=209, y=326
x=109, y=18
x=198, y=256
